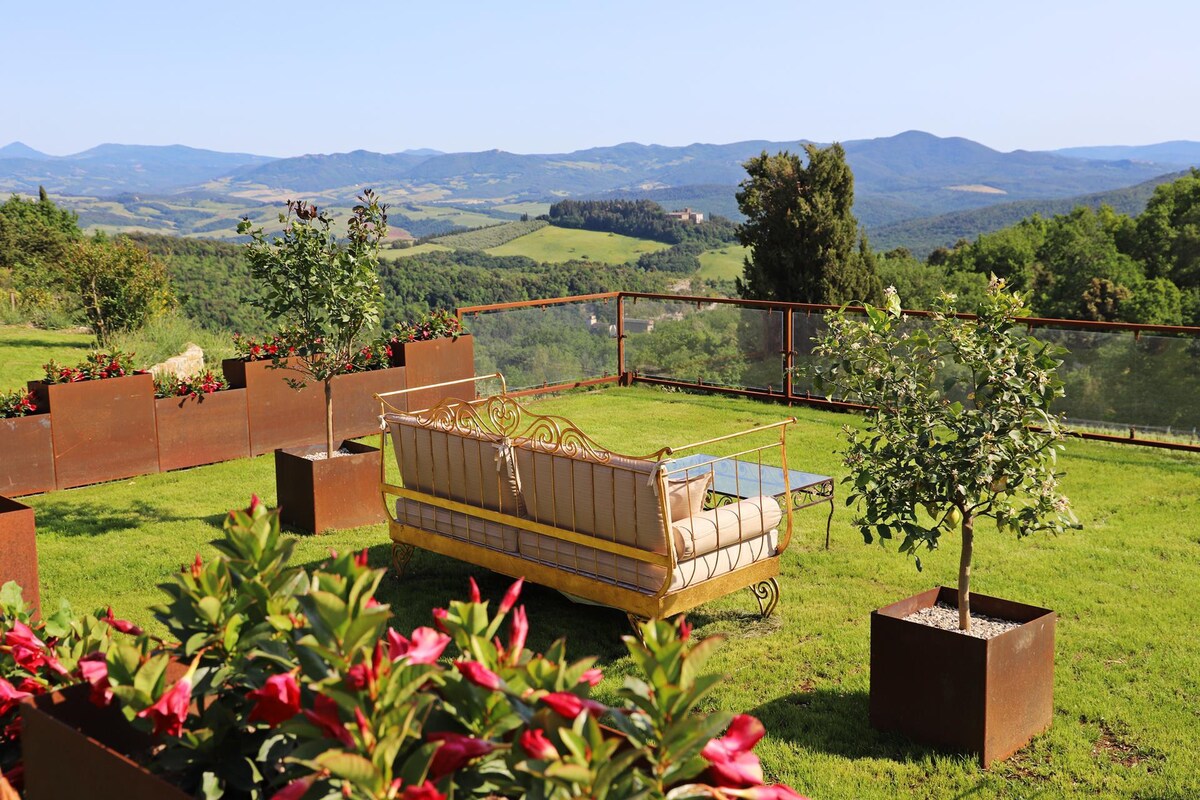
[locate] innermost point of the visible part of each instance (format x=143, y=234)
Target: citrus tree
x=960, y=428
x=324, y=290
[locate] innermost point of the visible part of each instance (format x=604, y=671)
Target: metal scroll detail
x=767, y=594
x=401, y=555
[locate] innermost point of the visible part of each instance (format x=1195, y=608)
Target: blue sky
x=305, y=77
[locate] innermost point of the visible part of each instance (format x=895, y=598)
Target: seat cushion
x=720, y=527
x=456, y=525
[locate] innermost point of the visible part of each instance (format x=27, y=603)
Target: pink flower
x=592, y=677
x=776, y=792
x=358, y=677
x=455, y=752
x=93, y=668
x=516, y=636
x=571, y=706
x=276, y=701
x=361, y=558
x=732, y=762
x=9, y=696
x=295, y=790
x=685, y=629
x=171, y=709
x=425, y=647
x=29, y=651
x=534, y=742
x=439, y=619
x=124, y=626
x=324, y=715
x=478, y=674
x=474, y=590
x=426, y=791
x=510, y=597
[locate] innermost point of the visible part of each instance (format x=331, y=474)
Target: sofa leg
x=636, y=622
x=401, y=555
x=767, y=594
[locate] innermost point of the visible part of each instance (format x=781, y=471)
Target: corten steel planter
x=26, y=455
x=18, y=549
x=72, y=748
x=103, y=429
x=435, y=361
x=278, y=415
x=355, y=409
x=317, y=496
x=201, y=429
x=983, y=696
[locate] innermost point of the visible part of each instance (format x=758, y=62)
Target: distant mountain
x=922, y=236
x=1183, y=153
x=115, y=168
x=22, y=150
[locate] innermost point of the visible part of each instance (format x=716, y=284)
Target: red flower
x=295, y=790
x=360, y=559
x=516, y=636
x=733, y=763
x=426, y=791
x=171, y=709
x=93, y=668
x=685, y=629
x=479, y=675
x=534, y=742
x=592, y=677
x=325, y=716
x=29, y=651
x=9, y=696
x=474, y=590
x=439, y=619
x=124, y=626
x=455, y=752
x=276, y=701
x=571, y=706
x=777, y=792
x=510, y=597
x=425, y=647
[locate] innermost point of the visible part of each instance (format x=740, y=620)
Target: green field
x=556, y=245
x=724, y=263
x=415, y=250
x=1127, y=668
x=454, y=216
x=23, y=351
x=532, y=209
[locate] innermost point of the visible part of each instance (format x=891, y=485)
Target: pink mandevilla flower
x=171, y=709
x=570, y=705
x=592, y=677
x=516, y=637
x=510, y=597
x=478, y=674
x=732, y=762
x=777, y=791
x=474, y=596
x=276, y=701
x=295, y=790
x=9, y=696
x=455, y=752
x=124, y=626
x=425, y=647
x=439, y=619
x=324, y=715
x=426, y=791
x=534, y=742
x=93, y=668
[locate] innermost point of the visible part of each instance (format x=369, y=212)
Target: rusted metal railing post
x=624, y=376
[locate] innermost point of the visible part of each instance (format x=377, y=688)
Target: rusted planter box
x=317, y=496
x=103, y=430
x=983, y=696
x=278, y=415
x=201, y=429
x=18, y=549
x=435, y=361
x=72, y=748
x=26, y=455
x=355, y=409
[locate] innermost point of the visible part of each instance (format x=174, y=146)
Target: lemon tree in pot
x=961, y=429
x=325, y=292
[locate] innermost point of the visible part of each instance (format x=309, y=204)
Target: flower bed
x=434, y=349
x=199, y=421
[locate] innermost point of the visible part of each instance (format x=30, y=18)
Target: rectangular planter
x=278, y=415
x=355, y=409
x=26, y=455
x=317, y=496
x=103, y=430
x=72, y=748
x=201, y=429
x=435, y=361
x=983, y=696
x=18, y=545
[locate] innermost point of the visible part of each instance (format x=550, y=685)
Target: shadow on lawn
x=72, y=518
x=48, y=345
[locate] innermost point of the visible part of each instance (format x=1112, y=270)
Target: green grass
x=1125, y=587
x=23, y=351
x=723, y=263
x=530, y=208
x=415, y=250
x=492, y=236
x=555, y=245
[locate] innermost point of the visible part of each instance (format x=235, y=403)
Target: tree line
x=642, y=219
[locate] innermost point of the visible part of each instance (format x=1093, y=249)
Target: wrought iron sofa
x=489, y=482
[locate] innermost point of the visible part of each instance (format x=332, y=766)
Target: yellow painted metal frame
x=500, y=415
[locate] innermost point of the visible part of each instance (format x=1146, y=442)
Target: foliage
x=35, y=237
x=437, y=324
x=171, y=385
x=681, y=259
x=979, y=441
x=97, y=366
x=641, y=219
x=920, y=283
x=325, y=291
x=1168, y=232
x=805, y=243
x=17, y=403
x=119, y=285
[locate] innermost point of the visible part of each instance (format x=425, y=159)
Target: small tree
x=326, y=291
x=119, y=285
x=960, y=429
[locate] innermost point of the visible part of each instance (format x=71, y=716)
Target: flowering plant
x=437, y=324
x=97, y=366
x=170, y=385
x=17, y=403
x=247, y=348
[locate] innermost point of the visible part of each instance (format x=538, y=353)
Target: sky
x=280, y=79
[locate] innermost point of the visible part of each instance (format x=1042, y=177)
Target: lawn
x=1125, y=587
x=23, y=351
x=724, y=263
x=555, y=245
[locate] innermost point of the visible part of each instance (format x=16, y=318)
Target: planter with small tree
x=326, y=292
x=961, y=429
x=434, y=349
x=200, y=420
x=26, y=439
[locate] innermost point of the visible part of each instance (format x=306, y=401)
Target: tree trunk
x=329, y=417
x=964, y=573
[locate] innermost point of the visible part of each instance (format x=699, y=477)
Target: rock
x=185, y=365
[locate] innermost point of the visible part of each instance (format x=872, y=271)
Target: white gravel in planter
x=321, y=455
x=945, y=616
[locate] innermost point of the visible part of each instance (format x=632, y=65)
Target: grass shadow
x=70, y=518
x=46, y=344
